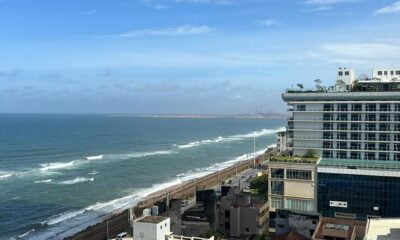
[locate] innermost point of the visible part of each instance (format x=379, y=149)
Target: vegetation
x=310, y=158
x=260, y=184
x=310, y=154
x=211, y=232
x=263, y=237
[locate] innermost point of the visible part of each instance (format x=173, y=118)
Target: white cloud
x=269, y=22
x=393, y=8
x=183, y=30
x=363, y=53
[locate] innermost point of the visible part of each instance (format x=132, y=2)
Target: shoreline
x=117, y=221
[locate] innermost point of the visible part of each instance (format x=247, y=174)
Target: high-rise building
x=355, y=130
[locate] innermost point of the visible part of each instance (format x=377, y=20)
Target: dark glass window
x=277, y=172
x=327, y=154
x=298, y=174
x=328, y=126
x=356, y=107
x=383, y=156
x=277, y=187
x=301, y=107
x=370, y=146
x=370, y=117
x=380, y=73
x=370, y=156
x=384, y=137
x=355, y=145
x=328, y=135
x=342, y=154
x=355, y=136
x=342, y=107
x=384, y=107
x=371, y=136
x=370, y=107
x=370, y=127
x=328, y=116
x=341, y=117
x=355, y=155
x=355, y=117
x=342, y=126
x=355, y=126
x=342, y=136
x=329, y=107
x=384, y=146
x=384, y=127
x=342, y=145
x=384, y=117
x=327, y=145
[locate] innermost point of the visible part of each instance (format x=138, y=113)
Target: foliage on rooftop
x=309, y=157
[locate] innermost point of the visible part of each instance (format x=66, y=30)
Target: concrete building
x=151, y=228
x=243, y=216
x=281, y=144
x=383, y=229
x=301, y=222
x=356, y=134
x=339, y=229
x=386, y=74
x=292, y=184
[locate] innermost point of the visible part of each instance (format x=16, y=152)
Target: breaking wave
x=239, y=137
x=5, y=175
x=44, y=181
x=57, y=165
x=76, y=180
x=68, y=223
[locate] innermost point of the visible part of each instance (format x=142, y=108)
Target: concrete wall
x=299, y=189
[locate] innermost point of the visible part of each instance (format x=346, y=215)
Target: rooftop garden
x=309, y=157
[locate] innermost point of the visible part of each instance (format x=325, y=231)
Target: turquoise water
x=49, y=190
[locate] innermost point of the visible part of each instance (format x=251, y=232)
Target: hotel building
x=354, y=128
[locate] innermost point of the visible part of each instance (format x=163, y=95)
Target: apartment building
x=356, y=134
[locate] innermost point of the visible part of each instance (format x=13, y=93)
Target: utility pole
x=107, y=227
x=254, y=150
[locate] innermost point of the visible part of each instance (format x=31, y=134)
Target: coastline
x=117, y=221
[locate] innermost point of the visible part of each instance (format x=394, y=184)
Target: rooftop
x=348, y=229
x=290, y=159
x=152, y=219
x=355, y=163
x=383, y=229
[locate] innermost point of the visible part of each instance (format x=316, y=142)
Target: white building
x=345, y=75
x=151, y=228
x=386, y=74
x=383, y=229
x=282, y=141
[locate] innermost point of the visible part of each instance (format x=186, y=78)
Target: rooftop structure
x=383, y=229
x=335, y=228
x=152, y=219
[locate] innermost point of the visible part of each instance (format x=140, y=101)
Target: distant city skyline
x=184, y=56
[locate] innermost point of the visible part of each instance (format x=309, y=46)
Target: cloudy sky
x=183, y=56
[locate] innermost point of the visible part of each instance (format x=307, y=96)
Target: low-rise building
x=243, y=215
x=302, y=223
x=291, y=183
x=151, y=228
x=339, y=229
x=382, y=229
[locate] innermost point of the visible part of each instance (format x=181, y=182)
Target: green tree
x=261, y=185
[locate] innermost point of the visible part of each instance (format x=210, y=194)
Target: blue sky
x=183, y=56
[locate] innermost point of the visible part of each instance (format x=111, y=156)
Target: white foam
x=62, y=217
x=76, y=180
x=69, y=223
x=26, y=234
x=140, y=154
x=93, y=173
x=44, y=181
x=255, y=134
x=5, y=175
x=57, y=165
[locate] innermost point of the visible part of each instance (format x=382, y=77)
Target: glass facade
x=364, y=195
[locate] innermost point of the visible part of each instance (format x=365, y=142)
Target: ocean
x=49, y=189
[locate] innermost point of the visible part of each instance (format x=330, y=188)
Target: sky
x=184, y=56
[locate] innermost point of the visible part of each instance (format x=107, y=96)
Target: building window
x=329, y=107
x=383, y=156
x=299, y=205
x=370, y=127
x=328, y=117
x=391, y=72
x=370, y=156
x=276, y=202
x=298, y=174
x=342, y=107
x=342, y=136
x=277, y=187
x=397, y=107
x=397, y=72
x=328, y=135
x=384, y=107
x=301, y=107
x=396, y=147
x=371, y=136
x=355, y=136
x=277, y=172
x=396, y=157
x=370, y=146
x=396, y=137
x=355, y=117
x=355, y=145
x=327, y=154
x=385, y=73
x=346, y=73
x=327, y=126
x=384, y=127
x=355, y=126
x=380, y=73
x=355, y=155
x=342, y=126
x=340, y=73
x=356, y=107
x=384, y=137
x=342, y=145
x=342, y=155
x=397, y=127
x=397, y=117
x=370, y=117
x=370, y=107
x=384, y=117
